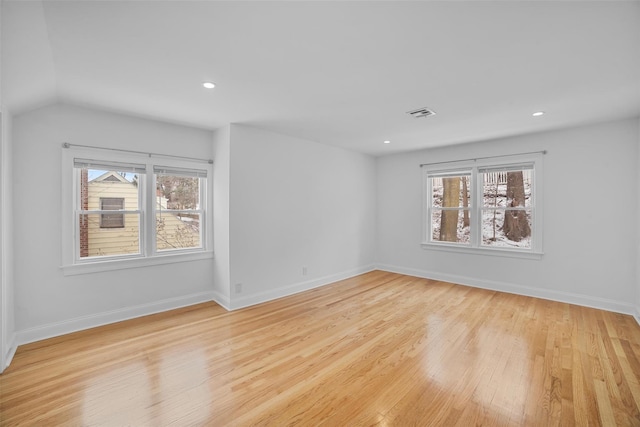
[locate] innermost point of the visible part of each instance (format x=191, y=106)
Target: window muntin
x=495, y=190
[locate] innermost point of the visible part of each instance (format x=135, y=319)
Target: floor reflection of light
x=490, y=367
x=173, y=389
x=185, y=396
x=119, y=396
x=382, y=421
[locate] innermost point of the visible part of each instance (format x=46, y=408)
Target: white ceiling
x=339, y=73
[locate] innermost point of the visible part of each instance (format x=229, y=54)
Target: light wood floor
x=379, y=349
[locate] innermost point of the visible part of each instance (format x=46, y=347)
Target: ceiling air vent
x=421, y=112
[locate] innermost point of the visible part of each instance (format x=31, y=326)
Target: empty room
x=336, y=213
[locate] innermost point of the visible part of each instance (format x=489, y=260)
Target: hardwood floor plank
x=378, y=349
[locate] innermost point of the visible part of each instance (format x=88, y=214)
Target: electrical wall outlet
x=238, y=288
x=304, y=270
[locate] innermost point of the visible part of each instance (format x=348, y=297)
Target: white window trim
x=475, y=207
x=149, y=255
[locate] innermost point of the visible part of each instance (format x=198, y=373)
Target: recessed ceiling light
x=387, y=142
x=208, y=85
x=538, y=113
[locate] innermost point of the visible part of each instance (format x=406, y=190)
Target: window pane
x=507, y=188
x=451, y=191
x=109, y=183
x=99, y=241
x=114, y=220
x=177, y=192
x=450, y=226
x=516, y=233
x=177, y=230
x=108, y=190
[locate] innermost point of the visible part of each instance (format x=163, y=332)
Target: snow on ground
x=492, y=235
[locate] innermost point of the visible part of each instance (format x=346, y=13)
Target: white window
x=492, y=205
x=123, y=209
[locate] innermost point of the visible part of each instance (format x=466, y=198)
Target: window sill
x=508, y=253
x=121, y=264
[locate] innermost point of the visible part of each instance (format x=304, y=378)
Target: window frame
x=474, y=167
x=72, y=264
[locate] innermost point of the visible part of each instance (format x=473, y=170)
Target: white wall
x=637, y=300
x=7, y=289
x=221, y=176
x=590, y=183
x=49, y=303
x=296, y=203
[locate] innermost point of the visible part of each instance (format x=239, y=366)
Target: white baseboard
x=636, y=314
x=86, y=322
x=222, y=300
x=566, y=297
x=42, y=332
x=11, y=351
x=295, y=288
